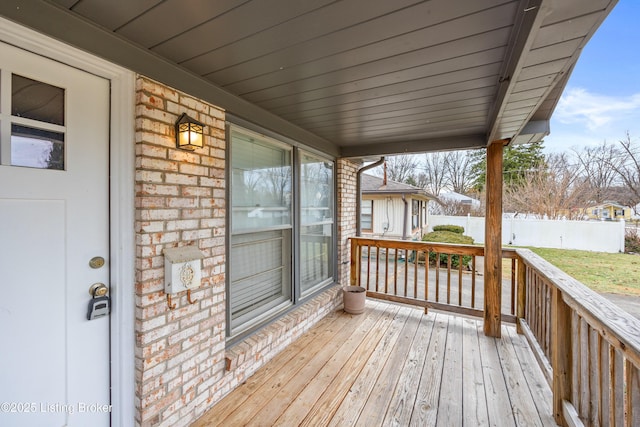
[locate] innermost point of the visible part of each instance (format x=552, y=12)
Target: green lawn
x=602, y=272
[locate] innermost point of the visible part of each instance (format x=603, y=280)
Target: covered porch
x=394, y=365
x=420, y=356
x=348, y=82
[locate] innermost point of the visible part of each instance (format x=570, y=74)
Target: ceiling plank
x=54, y=21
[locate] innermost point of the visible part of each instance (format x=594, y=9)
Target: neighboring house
x=467, y=203
x=97, y=192
x=392, y=209
x=609, y=211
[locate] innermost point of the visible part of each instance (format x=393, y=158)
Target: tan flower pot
x=354, y=298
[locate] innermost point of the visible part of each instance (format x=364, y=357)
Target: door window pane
x=316, y=231
x=36, y=148
x=35, y=100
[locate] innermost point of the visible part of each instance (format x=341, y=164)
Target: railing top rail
x=615, y=325
x=448, y=248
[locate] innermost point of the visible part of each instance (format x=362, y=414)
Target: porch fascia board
x=529, y=22
x=451, y=143
x=58, y=23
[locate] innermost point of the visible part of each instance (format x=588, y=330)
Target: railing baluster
x=354, y=266
x=395, y=271
x=612, y=386
x=561, y=359
x=437, y=277
x=513, y=286
x=460, y=280
x=386, y=270
x=522, y=296
x=377, y=267
x=473, y=281
x=406, y=271
x=415, y=274
x=599, y=382
x=368, y=264
x=426, y=275
x=628, y=400
x=448, y=278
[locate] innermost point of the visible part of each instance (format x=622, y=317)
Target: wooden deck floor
x=393, y=365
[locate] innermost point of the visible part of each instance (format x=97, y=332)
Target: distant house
x=467, y=203
x=609, y=211
x=393, y=209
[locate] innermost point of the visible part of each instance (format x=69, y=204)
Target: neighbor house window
x=366, y=215
x=415, y=214
x=281, y=245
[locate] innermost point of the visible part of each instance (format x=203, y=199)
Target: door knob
x=98, y=290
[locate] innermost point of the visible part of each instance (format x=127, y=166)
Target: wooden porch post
x=493, y=241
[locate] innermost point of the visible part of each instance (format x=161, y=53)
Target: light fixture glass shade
x=189, y=133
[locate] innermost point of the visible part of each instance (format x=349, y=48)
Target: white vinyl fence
x=601, y=236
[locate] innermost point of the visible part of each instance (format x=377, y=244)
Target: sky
x=601, y=101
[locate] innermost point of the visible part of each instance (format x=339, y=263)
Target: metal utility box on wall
x=182, y=270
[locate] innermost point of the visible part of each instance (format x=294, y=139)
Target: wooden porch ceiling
x=393, y=365
x=350, y=77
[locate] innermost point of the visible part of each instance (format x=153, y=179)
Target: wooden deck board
x=450, y=400
x=375, y=406
x=393, y=365
x=425, y=409
x=474, y=404
x=399, y=411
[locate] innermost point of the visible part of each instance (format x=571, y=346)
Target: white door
x=54, y=189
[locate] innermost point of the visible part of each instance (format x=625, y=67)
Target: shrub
x=458, y=229
x=449, y=237
x=632, y=242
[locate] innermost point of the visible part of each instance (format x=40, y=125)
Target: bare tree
x=459, y=171
x=628, y=169
x=455, y=208
x=399, y=168
x=599, y=165
x=436, y=172
x=557, y=191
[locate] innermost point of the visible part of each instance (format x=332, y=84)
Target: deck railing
x=407, y=271
x=588, y=348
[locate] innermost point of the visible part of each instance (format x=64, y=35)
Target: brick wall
x=180, y=201
x=347, y=177
x=182, y=365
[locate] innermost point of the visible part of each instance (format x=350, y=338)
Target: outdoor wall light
x=189, y=133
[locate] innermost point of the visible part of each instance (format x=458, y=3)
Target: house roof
x=608, y=203
x=457, y=197
x=353, y=78
x=375, y=185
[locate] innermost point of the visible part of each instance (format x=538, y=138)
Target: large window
x=276, y=205
x=261, y=229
